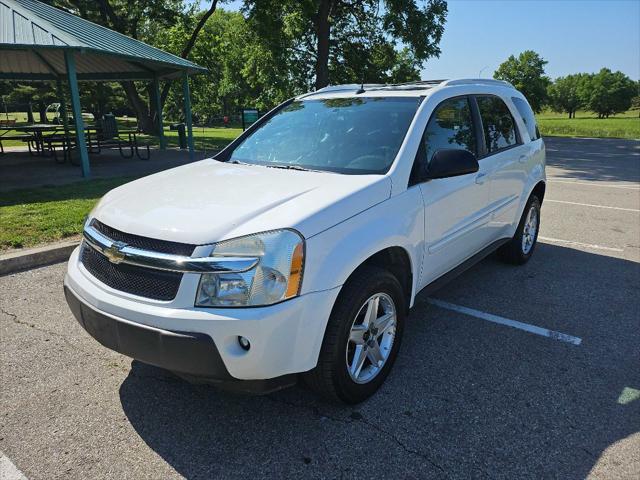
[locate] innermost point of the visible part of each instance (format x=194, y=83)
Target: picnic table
x=106, y=134
x=35, y=137
x=37, y=130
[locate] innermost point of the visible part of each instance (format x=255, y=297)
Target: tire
x=517, y=251
x=332, y=378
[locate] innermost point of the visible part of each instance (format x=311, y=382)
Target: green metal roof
x=33, y=36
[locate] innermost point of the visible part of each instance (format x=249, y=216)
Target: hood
x=209, y=201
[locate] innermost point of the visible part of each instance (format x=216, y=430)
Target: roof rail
x=417, y=85
x=476, y=81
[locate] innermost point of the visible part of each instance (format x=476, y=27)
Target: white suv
x=299, y=249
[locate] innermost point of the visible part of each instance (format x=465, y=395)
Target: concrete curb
x=36, y=257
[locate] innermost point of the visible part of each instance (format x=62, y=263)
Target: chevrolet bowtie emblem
x=114, y=253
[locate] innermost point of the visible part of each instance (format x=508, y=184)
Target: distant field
x=587, y=124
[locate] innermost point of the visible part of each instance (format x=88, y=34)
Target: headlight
x=276, y=277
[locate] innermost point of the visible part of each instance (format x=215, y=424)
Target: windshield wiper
x=292, y=167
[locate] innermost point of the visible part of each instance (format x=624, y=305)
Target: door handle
x=522, y=159
x=480, y=178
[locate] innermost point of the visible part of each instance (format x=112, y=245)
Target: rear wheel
x=362, y=337
x=520, y=248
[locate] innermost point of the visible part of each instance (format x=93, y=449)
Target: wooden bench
x=8, y=122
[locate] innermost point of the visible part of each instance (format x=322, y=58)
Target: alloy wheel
x=530, y=230
x=371, y=338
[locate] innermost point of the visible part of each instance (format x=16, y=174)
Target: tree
x=610, y=93
x=635, y=101
x=243, y=71
x=39, y=94
x=566, y=94
x=526, y=73
x=330, y=41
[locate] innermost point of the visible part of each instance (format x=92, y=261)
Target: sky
x=572, y=35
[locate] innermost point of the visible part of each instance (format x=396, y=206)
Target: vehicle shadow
x=467, y=398
x=601, y=159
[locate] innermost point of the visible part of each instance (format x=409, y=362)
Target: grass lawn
x=204, y=138
x=587, y=124
x=33, y=216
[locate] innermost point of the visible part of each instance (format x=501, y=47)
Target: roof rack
x=476, y=81
x=415, y=85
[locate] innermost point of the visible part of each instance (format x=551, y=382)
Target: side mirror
x=451, y=163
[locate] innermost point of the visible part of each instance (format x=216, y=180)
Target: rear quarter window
x=499, y=127
x=528, y=117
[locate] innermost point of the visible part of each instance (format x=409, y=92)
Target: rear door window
x=499, y=127
x=528, y=117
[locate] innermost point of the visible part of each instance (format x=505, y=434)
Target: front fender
x=334, y=254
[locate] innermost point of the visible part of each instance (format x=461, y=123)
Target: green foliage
x=609, y=93
x=526, y=73
x=567, y=94
x=338, y=41
x=605, y=93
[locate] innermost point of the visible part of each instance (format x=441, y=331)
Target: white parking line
x=594, y=206
x=563, y=337
x=578, y=244
x=595, y=184
x=8, y=471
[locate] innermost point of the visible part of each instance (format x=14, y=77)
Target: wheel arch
x=539, y=190
x=397, y=261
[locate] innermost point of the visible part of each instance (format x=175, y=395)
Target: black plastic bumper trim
x=193, y=356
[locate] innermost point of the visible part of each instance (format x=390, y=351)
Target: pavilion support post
x=187, y=113
x=158, y=100
x=81, y=144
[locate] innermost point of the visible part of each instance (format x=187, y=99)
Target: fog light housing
x=244, y=343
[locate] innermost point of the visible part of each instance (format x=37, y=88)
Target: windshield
x=344, y=135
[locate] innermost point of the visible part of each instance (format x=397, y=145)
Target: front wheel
x=362, y=337
x=519, y=249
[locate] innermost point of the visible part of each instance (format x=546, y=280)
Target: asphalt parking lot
x=468, y=397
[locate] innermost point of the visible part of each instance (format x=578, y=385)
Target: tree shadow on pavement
x=467, y=398
x=600, y=159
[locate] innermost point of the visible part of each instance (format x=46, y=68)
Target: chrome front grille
x=133, y=279
x=144, y=282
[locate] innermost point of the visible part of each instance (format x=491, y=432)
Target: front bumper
x=202, y=342
x=188, y=354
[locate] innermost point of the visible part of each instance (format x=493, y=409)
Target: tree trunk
x=30, y=114
x=145, y=122
x=323, y=31
x=42, y=110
